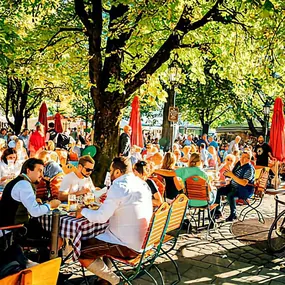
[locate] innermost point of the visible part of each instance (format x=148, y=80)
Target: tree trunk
x=167, y=129
x=106, y=136
x=252, y=128
x=16, y=100
x=205, y=128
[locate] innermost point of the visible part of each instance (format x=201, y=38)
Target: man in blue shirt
x=241, y=185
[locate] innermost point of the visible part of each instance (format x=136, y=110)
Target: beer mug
x=89, y=199
x=72, y=202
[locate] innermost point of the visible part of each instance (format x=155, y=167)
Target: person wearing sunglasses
x=78, y=182
x=241, y=185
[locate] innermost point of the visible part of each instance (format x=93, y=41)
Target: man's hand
x=39, y=200
x=54, y=203
x=79, y=210
x=228, y=174
x=83, y=191
x=102, y=198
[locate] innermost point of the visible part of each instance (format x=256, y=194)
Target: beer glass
x=72, y=202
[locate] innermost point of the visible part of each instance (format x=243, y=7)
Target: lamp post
x=266, y=112
x=57, y=101
x=174, y=76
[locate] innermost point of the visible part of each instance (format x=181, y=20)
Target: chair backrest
x=160, y=183
x=11, y=279
x=42, y=274
x=261, y=184
x=197, y=188
x=177, y=212
x=157, y=226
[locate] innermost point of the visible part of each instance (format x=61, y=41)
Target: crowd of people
x=142, y=178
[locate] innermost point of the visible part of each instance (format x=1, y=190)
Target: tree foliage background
x=116, y=49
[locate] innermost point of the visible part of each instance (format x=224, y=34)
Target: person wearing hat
x=37, y=140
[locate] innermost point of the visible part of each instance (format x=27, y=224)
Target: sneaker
x=231, y=218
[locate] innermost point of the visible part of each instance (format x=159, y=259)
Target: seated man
x=78, y=182
x=241, y=185
x=19, y=203
x=128, y=208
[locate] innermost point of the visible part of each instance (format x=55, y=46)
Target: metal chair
x=255, y=200
x=150, y=249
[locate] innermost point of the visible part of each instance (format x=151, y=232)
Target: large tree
x=129, y=41
x=35, y=66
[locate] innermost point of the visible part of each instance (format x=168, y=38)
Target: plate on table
x=93, y=207
x=61, y=213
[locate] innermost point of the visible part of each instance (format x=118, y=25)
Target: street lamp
x=174, y=77
x=266, y=112
x=57, y=101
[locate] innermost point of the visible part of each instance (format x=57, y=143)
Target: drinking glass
x=72, y=202
x=89, y=199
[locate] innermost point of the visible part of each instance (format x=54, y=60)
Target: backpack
x=52, y=134
x=61, y=141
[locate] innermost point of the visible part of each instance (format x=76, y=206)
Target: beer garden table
x=74, y=229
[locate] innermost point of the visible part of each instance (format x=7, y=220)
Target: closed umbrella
x=277, y=132
x=136, y=124
x=57, y=123
x=43, y=115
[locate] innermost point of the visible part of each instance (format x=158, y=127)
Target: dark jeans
x=231, y=195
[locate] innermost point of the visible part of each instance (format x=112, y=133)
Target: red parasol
x=136, y=124
x=57, y=123
x=277, y=132
x=43, y=115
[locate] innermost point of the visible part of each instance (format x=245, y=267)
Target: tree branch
x=183, y=26
x=51, y=43
x=83, y=15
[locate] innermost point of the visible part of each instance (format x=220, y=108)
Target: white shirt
x=24, y=193
x=71, y=183
x=128, y=207
x=233, y=146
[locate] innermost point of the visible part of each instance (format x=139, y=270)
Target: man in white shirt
x=234, y=144
x=78, y=182
x=128, y=207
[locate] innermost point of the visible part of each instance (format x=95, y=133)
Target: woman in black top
x=173, y=186
x=142, y=169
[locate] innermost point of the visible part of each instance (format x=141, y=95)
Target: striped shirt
x=238, y=171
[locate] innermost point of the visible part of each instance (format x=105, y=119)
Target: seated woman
x=135, y=154
x=173, y=185
x=228, y=165
x=194, y=169
x=8, y=166
x=213, y=157
x=142, y=170
x=21, y=151
x=48, y=188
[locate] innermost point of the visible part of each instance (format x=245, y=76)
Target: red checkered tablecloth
x=74, y=229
